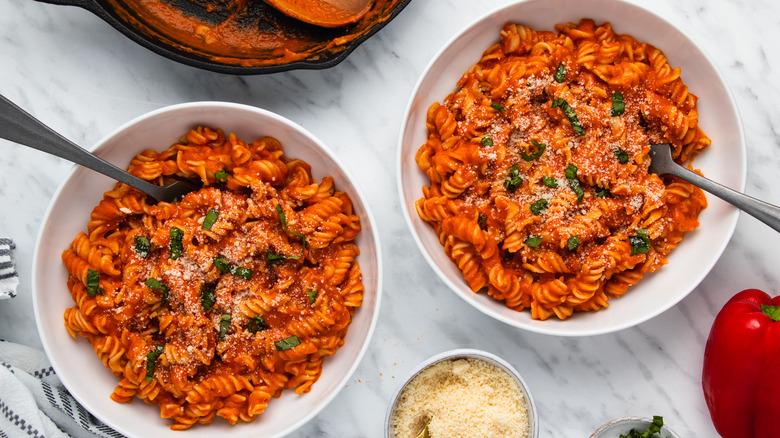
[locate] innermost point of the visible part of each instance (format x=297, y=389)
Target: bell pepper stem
x=771, y=311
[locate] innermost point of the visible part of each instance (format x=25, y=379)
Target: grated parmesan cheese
x=462, y=398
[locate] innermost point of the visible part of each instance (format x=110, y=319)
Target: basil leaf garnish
x=93, y=283
x=640, y=242
x=176, y=246
x=210, y=218
x=618, y=105
x=142, y=246
x=533, y=241
x=256, y=324
x=498, y=107
x=287, y=343
x=513, y=181
x=560, y=73
x=151, y=360
x=539, y=150
x=224, y=325
x=622, y=156
x=561, y=103
x=538, y=207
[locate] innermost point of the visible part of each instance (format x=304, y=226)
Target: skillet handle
x=90, y=5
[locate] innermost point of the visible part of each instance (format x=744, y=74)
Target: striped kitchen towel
x=33, y=402
x=9, y=279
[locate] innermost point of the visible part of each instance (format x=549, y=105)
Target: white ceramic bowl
x=467, y=353
x=623, y=426
x=724, y=161
x=76, y=364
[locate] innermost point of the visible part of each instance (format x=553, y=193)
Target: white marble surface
x=84, y=79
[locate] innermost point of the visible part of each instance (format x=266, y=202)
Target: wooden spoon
x=324, y=13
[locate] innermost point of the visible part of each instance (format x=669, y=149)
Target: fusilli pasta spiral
x=539, y=185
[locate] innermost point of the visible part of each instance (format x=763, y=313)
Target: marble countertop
x=84, y=79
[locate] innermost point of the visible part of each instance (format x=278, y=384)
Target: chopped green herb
x=93, y=283
x=207, y=297
x=151, y=360
x=561, y=103
x=549, y=182
x=312, y=296
x=222, y=264
x=571, y=171
x=618, y=105
x=481, y=219
x=533, y=241
x=640, y=243
x=498, y=107
x=220, y=175
x=244, y=273
x=539, y=150
x=142, y=246
x=574, y=184
x=287, y=343
x=272, y=257
x=573, y=243
x=513, y=181
x=256, y=324
x=622, y=156
x=603, y=192
x=487, y=140
x=210, y=218
x=538, y=207
x=155, y=284
x=560, y=73
x=513, y=184
x=176, y=246
x=654, y=428
x=224, y=324
x=283, y=220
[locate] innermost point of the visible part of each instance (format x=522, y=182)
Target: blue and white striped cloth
x=9, y=279
x=33, y=401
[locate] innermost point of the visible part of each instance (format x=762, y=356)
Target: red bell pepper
x=741, y=374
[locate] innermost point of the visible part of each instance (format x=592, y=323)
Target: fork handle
x=763, y=211
x=20, y=127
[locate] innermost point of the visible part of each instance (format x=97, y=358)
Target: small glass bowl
x=622, y=426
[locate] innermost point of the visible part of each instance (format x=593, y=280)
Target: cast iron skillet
x=294, y=45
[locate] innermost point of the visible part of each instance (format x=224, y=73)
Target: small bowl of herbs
x=635, y=427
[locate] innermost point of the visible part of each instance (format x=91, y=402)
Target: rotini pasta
x=213, y=304
x=539, y=189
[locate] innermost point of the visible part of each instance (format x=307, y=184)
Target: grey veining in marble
x=84, y=79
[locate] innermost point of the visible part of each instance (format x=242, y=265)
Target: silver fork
x=20, y=127
x=662, y=163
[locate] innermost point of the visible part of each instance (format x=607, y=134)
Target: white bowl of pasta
x=522, y=165
x=264, y=283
